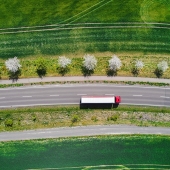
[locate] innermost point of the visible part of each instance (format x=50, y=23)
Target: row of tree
x=89, y=63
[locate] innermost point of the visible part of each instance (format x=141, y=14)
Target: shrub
x=163, y=65
x=113, y=117
x=63, y=62
x=137, y=67
x=89, y=62
x=13, y=66
x=114, y=65
x=161, y=68
x=41, y=67
x=89, y=65
x=8, y=122
x=34, y=118
x=75, y=118
x=94, y=118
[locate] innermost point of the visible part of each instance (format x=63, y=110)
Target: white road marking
x=26, y=96
x=110, y=94
x=54, y=95
x=81, y=94
x=165, y=97
x=137, y=95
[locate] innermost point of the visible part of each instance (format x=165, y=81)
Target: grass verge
x=62, y=116
x=96, y=152
x=75, y=68
x=84, y=82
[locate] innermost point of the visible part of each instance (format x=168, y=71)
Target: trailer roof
x=97, y=99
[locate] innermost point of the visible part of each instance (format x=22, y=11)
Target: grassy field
x=98, y=152
x=54, y=28
x=63, y=116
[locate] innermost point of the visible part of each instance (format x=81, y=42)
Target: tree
x=41, y=67
x=89, y=64
x=114, y=65
x=163, y=65
x=63, y=63
x=13, y=66
x=161, y=68
x=137, y=67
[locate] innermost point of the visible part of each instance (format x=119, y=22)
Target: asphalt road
x=71, y=93
x=81, y=131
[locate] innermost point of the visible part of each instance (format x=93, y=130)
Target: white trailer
x=100, y=99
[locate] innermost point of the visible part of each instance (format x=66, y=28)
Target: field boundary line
x=102, y=27
x=115, y=23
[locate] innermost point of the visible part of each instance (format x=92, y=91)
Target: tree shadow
x=14, y=76
x=158, y=73
x=135, y=71
x=111, y=73
x=41, y=72
x=63, y=71
x=86, y=72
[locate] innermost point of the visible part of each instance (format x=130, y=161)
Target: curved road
x=71, y=93
x=81, y=131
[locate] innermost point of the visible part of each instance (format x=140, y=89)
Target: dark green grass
x=85, y=40
x=121, y=151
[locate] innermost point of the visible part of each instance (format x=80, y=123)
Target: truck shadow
x=98, y=106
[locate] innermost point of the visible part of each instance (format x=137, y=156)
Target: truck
x=100, y=100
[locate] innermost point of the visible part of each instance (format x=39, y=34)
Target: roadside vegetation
x=62, y=116
x=95, y=152
x=105, y=64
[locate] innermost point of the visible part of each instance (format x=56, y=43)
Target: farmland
x=106, y=152
x=70, y=27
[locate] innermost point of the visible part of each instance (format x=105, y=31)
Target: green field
x=69, y=27
x=102, y=152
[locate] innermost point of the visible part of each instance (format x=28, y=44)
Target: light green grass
x=47, y=28
x=15, y=13
x=100, y=152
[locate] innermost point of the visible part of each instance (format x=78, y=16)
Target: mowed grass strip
x=60, y=116
x=119, y=151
